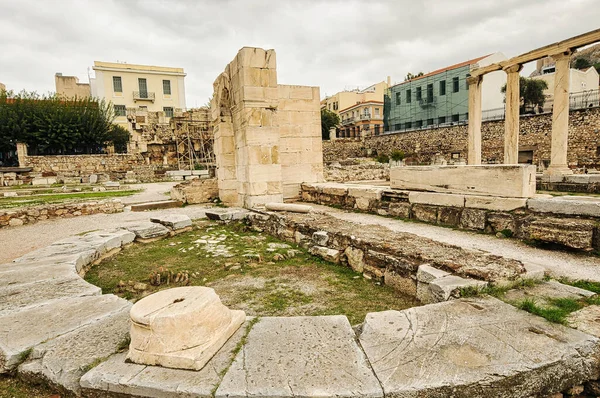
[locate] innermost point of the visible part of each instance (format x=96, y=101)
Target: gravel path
x=558, y=263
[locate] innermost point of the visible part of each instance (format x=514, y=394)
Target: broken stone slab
x=320, y=238
x=427, y=274
x=437, y=199
x=112, y=184
x=116, y=376
x=80, y=255
x=62, y=361
x=356, y=258
x=10, y=194
x=548, y=290
x=102, y=241
x=162, y=204
x=23, y=330
x=181, y=328
x=16, y=298
x=327, y=254
x=574, y=233
x=494, y=203
x=93, y=178
x=173, y=221
x=586, y=320
x=32, y=272
x=148, y=231
x=226, y=214
x=475, y=348
x=561, y=205
x=300, y=357
x=447, y=287
x=291, y=207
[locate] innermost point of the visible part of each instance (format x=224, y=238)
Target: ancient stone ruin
x=267, y=135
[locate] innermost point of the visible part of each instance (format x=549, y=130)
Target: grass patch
x=250, y=271
x=34, y=200
x=583, y=284
x=498, y=291
x=14, y=388
x=556, y=312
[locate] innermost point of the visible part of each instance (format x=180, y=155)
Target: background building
x=69, y=86
x=2, y=87
x=441, y=97
x=362, y=119
x=583, y=86
x=345, y=99
x=144, y=87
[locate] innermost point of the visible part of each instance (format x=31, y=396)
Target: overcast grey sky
x=331, y=44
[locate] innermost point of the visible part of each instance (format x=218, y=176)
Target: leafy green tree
x=582, y=63
x=410, y=76
x=531, y=92
x=329, y=119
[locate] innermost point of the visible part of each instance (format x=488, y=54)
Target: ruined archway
x=267, y=135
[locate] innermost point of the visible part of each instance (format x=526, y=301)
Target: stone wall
x=535, y=135
x=196, y=191
x=30, y=215
x=354, y=170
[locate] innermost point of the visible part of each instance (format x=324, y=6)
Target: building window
x=408, y=125
x=430, y=93
x=408, y=96
x=117, y=84
x=441, y=119
x=398, y=95
x=120, y=110
x=166, y=87
x=419, y=123
x=143, y=86
x=168, y=111
x=443, y=87
x=430, y=122
x=455, y=117
x=455, y=86
x=397, y=126
x=376, y=111
x=419, y=96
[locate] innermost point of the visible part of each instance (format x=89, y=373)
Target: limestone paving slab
x=548, y=290
x=475, y=348
x=174, y=221
x=23, y=330
x=62, y=361
x=18, y=297
x=226, y=214
x=566, y=205
x=115, y=376
x=148, y=230
x=32, y=272
x=300, y=357
x=586, y=319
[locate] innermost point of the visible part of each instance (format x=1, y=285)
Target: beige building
x=346, y=99
x=144, y=87
x=2, y=87
x=361, y=120
x=69, y=86
x=583, y=85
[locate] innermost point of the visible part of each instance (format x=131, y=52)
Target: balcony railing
x=348, y=120
x=143, y=96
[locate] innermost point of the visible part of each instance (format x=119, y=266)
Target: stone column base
x=556, y=173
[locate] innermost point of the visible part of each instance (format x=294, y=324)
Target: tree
x=410, y=76
x=329, y=119
x=531, y=92
x=582, y=63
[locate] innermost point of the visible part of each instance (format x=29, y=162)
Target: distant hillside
x=592, y=54
x=588, y=57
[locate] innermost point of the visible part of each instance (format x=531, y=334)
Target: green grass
x=557, y=310
x=583, y=284
x=299, y=285
x=14, y=388
x=497, y=291
x=34, y=200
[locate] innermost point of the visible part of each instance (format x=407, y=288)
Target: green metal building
x=437, y=98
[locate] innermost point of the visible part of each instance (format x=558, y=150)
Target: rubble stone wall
x=30, y=215
x=535, y=135
x=196, y=191
x=356, y=171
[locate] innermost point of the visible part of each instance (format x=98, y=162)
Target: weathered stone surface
x=399, y=209
x=473, y=219
x=437, y=199
x=501, y=222
x=300, y=357
x=449, y=216
x=475, y=348
x=494, y=203
x=26, y=272
x=516, y=181
x=564, y=205
x=23, y=330
x=173, y=221
x=404, y=283
x=424, y=213
x=574, y=233
x=355, y=258
x=196, y=191
x=18, y=297
x=181, y=328
x=447, y=287
x=62, y=361
x=115, y=376
x=295, y=208
x=327, y=254
x=587, y=320
x=163, y=204
x=547, y=290
x=320, y=238
x=427, y=274
x=226, y=214
x=148, y=231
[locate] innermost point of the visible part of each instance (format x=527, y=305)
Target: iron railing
x=143, y=96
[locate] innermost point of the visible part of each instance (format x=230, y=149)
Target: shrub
x=383, y=158
x=397, y=155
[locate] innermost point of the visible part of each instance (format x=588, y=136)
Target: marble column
x=560, y=118
x=511, y=122
x=474, y=128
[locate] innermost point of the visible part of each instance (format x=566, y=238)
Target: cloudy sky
x=331, y=44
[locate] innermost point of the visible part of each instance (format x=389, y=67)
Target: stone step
x=545, y=291
x=16, y=298
x=163, y=204
x=475, y=347
x=21, y=331
x=115, y=376
x=31, y=272
x=62, y=361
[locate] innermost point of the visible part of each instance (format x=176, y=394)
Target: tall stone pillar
x=511, y=122
x=474, y=128
x=22, y=154
x=560, y=118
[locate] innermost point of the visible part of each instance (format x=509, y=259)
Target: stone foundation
x=30, y=215
x=357, y=170
x=196, y=191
